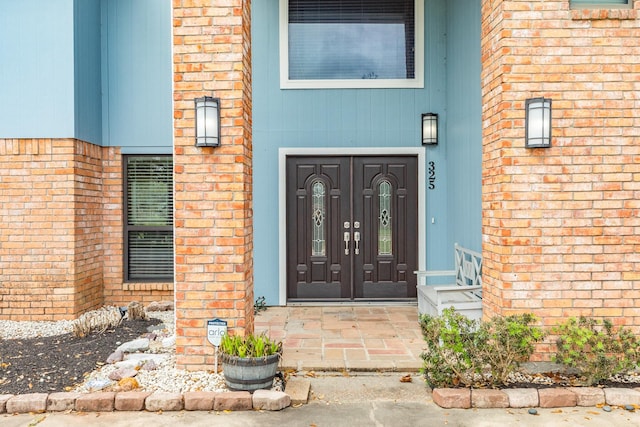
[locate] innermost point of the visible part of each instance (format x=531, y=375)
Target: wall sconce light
x=537, y=123
x=207, y=122
x=429, y=129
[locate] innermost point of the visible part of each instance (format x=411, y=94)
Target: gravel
x=165, y=378
x=10, y=329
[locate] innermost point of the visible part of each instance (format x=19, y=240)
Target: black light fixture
x=429, y=129
x=537, y=123
x=207, y=121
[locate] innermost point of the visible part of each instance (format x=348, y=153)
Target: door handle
x=356, y=239
x=346, y=242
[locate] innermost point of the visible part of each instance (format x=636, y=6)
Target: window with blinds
x=351, y=43
x=148, y=196
x=600, y=4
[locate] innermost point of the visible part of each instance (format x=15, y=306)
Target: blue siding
x=338, y=118
x=464, y=124
x=136, y=75
x=458, y=158
x=37, y=71
x=88, y=104
x=437, y=221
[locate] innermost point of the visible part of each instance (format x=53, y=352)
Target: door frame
x=283, y=153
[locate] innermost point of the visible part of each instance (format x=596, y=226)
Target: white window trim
x=417, y=82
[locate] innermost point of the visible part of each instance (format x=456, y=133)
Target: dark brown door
x=351, y=227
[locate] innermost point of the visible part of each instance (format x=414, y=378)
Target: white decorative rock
x=141, y=344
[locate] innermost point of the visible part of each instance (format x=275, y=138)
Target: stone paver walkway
x=345, y=338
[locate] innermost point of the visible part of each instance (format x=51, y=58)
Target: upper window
x=148, y=196
x=600, y=4
x=351, y=44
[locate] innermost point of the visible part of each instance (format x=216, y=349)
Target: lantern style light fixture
x=207, y=121
x=537, y=123
x=429, y=129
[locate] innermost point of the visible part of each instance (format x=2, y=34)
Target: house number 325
x=432, y=175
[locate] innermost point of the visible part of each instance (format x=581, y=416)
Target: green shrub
x=506, y=342
x=449, y=354
x=595, y=349
x=461, y=351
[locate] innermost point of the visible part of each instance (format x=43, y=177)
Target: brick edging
x=144, y=401
x=556, y=397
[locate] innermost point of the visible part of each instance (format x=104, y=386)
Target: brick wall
x=561, y=226
x=49, y=229
x=213, y=208
x=86, y=196
x=61, y=231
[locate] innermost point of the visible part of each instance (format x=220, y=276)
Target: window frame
x=417, y=82
x=133, y=228
x=599, y=5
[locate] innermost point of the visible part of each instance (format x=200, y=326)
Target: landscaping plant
x=461, y=351
x=249, y=346
x=505, y=342
x=595, y=349
x=449, y=358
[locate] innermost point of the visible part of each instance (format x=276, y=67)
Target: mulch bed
x=58, y=363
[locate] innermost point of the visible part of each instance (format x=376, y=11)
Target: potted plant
x=249, y=363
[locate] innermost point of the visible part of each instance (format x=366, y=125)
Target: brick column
x=560, y=225
x=213, y=207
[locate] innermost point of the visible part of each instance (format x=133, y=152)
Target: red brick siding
x=87, y=217
x=60, y=240
x=561, y=226
x=49, y=222
x=213, y=207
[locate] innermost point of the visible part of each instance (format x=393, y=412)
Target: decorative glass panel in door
x=384, y=219
x=318, y=216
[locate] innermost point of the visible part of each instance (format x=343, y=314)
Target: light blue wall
x=96, y=70
x=464, y=123
x=36, y=69
x=459, y=185
x=339, y=118
x=437, y=218
x=136, y=75
x=88, y=102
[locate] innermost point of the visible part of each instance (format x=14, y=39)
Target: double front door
x=351, y=227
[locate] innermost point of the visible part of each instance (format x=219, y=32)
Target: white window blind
x=352, y=40
x=149, y=218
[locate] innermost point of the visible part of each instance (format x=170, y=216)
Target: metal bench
x=464, y=295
